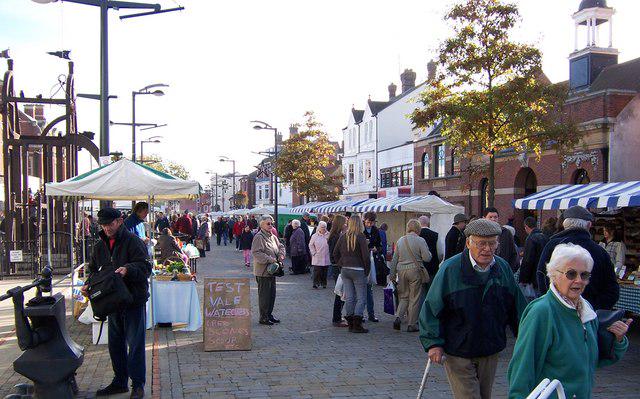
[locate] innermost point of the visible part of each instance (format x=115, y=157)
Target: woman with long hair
x=614, y=245
x=352, y=255
x=338, y=224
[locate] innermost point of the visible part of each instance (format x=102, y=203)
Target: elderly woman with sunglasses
x=558, y=336
x=266, y=249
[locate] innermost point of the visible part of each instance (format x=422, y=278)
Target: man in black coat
x=304, y=225
x=603, y=290
x=127, y=255
x=431, y=237
x=217, y=228
x=533, y=247
x=507, y=249
x=454, y=242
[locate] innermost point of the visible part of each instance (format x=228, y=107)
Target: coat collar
x=469, y=275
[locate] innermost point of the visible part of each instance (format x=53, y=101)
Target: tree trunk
x=492, y=179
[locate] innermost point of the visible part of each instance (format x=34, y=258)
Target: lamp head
x=158, y=93
x=258, y=127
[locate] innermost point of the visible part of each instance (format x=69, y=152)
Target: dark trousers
x=218, y=238
x=126, y=346
x=208, y=244
x=337, y=309
x=298, y=264
x=237, y=242
x=320, y=275
x=266, y=296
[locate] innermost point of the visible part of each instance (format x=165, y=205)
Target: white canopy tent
x=267, y=210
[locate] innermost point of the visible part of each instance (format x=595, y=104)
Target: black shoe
x=373, y=319
x=396, y=324
x=273, y=319
x=412, y=329
x=315, y=286
x=111, y=389
x=137, y=393
x=266, y=322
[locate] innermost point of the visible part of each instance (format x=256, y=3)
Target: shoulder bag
x=424, y=274
x=108, y=293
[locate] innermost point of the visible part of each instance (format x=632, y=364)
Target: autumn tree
x=172, y=168
x=307, y=162
x=490, y=93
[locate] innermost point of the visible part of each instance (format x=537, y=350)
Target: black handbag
x=275, y=269
x=606, y=339
x=108, y=293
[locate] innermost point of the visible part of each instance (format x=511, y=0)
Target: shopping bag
x=339, y=288
x=371, y=279
x=200, y=244
x=389, y=307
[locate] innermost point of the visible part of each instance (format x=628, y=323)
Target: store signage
x=227, y=314
x=15, y=256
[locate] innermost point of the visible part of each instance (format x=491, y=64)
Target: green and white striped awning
x=124, y=180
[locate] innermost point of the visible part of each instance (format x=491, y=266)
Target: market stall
x=127, y=180
x=617, y=202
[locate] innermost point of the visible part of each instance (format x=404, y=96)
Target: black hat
x=108, y=215
x=578, y=212
x=460, y=217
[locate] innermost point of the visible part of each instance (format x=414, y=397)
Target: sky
x=230, y=62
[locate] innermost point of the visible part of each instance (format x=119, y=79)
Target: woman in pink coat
x=319, y=249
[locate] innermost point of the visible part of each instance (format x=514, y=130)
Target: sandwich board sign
x=227, y=314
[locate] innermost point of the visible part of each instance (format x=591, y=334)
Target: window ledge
x=441, y=178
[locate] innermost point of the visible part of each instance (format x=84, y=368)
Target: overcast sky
x=229, y=62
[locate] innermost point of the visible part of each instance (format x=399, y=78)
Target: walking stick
x=424, y=379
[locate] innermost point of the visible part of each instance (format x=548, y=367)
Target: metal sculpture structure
x=57, y=156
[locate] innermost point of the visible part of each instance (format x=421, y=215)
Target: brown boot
x=349, y=320
x=357, y=325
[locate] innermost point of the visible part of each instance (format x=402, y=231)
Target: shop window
x=426, y=166
x=440, y=157
x=396, y=176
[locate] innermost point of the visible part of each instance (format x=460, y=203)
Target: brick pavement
x=304, y=357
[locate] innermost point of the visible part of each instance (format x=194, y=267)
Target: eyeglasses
x=573, y=275
x=268, y=223
x=485, y=244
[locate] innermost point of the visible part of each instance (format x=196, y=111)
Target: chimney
x=431, y=70
x=392, y=91
x=29, y=110
x=408, y=79
x=293, y=130
x=279, y=139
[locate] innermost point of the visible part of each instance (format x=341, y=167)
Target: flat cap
x=306, y=214
x=460, y=217
x=108, y=215
x=483, y=228
x=578, y=212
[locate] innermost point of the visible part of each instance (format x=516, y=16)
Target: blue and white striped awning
x=385, y=204
x=594, y=195
x=339, y=206
x=308, y=207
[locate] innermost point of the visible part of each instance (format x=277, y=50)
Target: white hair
x=322, y=224
x=266, y=218
x=563, y=254
x=573, y=223
x=424, y=221
x=295, y=223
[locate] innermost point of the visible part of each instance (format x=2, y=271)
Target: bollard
x=50, y=358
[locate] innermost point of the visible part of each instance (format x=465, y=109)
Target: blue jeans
x=225, y=237
x=355, y=288
x=370, y=310
x=127, y=331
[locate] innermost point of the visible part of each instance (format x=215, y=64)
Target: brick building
x=604, y=101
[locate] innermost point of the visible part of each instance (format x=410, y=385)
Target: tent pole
x=49, y=233
x=70, y=210
x=151, y=278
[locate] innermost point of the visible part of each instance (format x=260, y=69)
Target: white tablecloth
x=175, y=302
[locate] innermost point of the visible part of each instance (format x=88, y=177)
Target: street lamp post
x=214, y=185
x=265, y=126
x=233, y=177
x=154, y=139
x=144, y=90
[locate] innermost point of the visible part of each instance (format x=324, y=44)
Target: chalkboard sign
x=227, y=314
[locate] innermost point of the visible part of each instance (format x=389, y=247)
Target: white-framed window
x=259, y=193
x=344, y=176
x=440, y=161
x=361, y=172
x=368, y=175
x=351, y=174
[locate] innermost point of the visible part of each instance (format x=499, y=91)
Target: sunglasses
x=573, y=275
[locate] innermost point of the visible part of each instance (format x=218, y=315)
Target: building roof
x=377, y=106
x=357, y=114
x=625, y=76
x=592, y=3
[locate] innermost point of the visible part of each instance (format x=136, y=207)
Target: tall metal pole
x=216, y=192
x=234, y=185
x=133, y=126
x=104, y=78
x=275, y=178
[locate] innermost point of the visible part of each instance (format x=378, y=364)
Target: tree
x=307, y=162
x=490, y=93
x=173, y=168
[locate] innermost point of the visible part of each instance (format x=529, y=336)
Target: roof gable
x=625, y=76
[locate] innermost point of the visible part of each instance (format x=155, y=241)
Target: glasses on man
x=482, y=244
x=573, y=275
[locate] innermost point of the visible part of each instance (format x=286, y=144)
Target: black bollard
x=50, y=357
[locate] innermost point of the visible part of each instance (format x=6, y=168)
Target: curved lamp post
x=260, y=125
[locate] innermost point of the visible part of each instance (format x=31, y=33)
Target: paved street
x=303, y=357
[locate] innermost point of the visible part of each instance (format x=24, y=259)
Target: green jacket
x=466, y=312
x=554, y=343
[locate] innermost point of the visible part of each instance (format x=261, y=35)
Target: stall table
x=175, y=302
x=629, y=298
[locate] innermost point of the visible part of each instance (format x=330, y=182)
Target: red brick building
x=605, y=103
